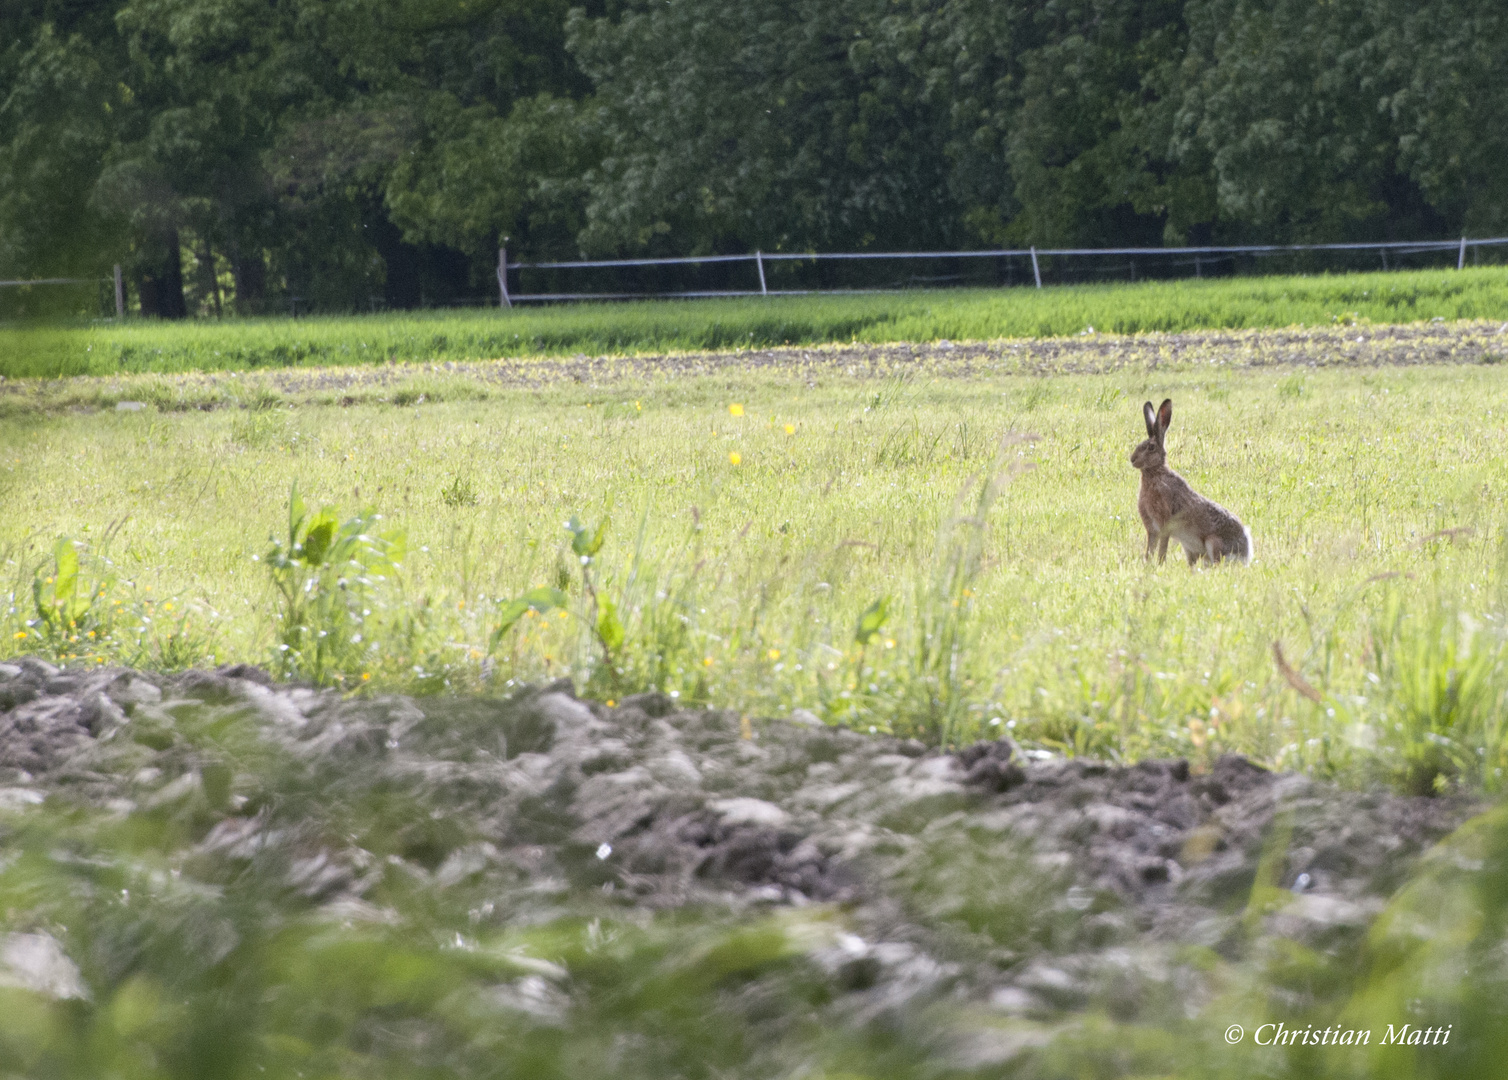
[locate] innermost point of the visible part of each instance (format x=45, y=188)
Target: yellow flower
x=774, y=654
x=20, y=634
x=365, y=675
x=790, y=429
x=736, y=409
x=610, y=703
x=706, y=661
x=735, y=458
x=168, y=606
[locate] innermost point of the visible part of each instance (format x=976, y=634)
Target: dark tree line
x=249, y=155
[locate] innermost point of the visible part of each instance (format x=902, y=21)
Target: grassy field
x=947, y=557
x=232, y=345
x=940, y=543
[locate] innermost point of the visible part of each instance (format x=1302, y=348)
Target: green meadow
x=940, y=556
x=107, y=348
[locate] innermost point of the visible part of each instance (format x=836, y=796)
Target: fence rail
x=116, y=279
x=1197, y=256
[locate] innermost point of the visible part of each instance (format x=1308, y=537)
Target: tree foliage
x=246, y=154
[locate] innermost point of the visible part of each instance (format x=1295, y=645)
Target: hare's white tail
x=1246, y=545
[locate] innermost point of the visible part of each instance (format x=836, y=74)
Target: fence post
x=1461, y=258
x=759, y=262
x=120, y=294
x=502, y=277
x=1036, y=270
x=1198, y=266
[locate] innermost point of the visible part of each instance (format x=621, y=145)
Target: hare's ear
x=1150, y=416
x=1164, y=417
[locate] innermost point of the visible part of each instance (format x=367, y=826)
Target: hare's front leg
x=1162, y=548
x=1151, y=541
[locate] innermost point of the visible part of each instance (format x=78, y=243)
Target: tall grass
x=659, y=326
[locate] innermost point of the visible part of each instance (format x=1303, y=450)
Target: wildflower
x=774, y=654
x=790, y=429
x=735, y=410
x=735, y=458
x=19, y=634
x=706, y=661
x=610, y=703
x=365, y=676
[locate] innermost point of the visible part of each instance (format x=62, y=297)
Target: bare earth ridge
x=1367, y=345
x=1031, y=888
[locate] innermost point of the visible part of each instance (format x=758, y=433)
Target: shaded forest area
x=334, y=155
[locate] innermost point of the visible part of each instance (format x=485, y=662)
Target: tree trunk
x=209, y=281
x=251, y=279
x=160, y=282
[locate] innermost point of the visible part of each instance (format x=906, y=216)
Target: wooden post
x=1036, y=270
x=1461, y=258
x=759, y=262
x=1198, y=266
x=120, y=293
x=502, y=277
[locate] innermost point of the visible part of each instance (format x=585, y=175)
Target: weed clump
x=328, y=575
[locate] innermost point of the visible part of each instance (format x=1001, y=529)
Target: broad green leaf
x=541, y=599
x=583, y=540
x=601, y=535
x=66, y=582
x=395, y=547
x=317, y=541
x=872, y=620
x=609, y=626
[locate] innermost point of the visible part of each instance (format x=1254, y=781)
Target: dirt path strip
x=1362, y=346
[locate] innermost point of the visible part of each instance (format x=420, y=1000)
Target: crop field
x=666, y=326
x=940, y=551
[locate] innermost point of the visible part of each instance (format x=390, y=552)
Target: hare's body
x=1171, y=510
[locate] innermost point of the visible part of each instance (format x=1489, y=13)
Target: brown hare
x=1171, y=510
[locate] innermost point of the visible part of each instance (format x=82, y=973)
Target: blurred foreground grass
x=661, y=326
x=209, y=928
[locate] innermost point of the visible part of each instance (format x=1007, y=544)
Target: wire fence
x=797, y=274
x=108, y=288
x=760, y=273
